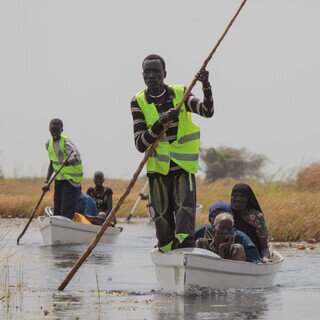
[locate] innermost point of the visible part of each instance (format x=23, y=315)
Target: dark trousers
x=65, y=198
x=173, y=202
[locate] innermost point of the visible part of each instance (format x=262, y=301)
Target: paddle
x=137, y=202
x=38, y=203
x=114, y=210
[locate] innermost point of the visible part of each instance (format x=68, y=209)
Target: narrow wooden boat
x=57, y=230
x=182, y=269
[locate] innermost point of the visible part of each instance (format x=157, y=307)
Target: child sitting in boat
x=220, y=240
x=252, y=253
x=102, y=195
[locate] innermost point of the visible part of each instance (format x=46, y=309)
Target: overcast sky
x=81, y=61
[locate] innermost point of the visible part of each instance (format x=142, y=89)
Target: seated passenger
x=248, y=217
x=251, y=251
x=86, y=205
x=102, y=195
x=222, y=240
x=215, y=209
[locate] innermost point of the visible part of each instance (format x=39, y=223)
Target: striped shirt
x=144, y=137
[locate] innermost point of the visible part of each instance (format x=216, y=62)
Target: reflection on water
x=128, y=288
x=227, y=304
x=63, y=304
x=64, y=257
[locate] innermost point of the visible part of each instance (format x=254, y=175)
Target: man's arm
x=75, y=155
x=109, y=204
x=46, y=187
x=143, y=137
x=204, y=108
x=265, y=252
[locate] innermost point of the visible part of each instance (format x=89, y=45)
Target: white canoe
x=61, y=230
x=182, y=269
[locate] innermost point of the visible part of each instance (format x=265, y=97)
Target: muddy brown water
x=119, y=282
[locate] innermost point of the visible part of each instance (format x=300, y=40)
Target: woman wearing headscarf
x=249, y=218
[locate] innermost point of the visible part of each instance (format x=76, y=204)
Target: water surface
x=119, y=282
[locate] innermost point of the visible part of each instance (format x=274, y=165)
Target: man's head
x=215, y=214
x=223, y=226
x=56, y=128
x=154, y=72
x=98, y=178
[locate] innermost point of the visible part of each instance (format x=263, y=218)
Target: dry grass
x=309, y=178
x=292, y=214
x=19, y=197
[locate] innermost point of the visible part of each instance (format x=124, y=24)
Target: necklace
x=99, y=193
x=160, y=95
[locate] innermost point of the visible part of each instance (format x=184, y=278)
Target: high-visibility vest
x=184, y=151
x=70, y=172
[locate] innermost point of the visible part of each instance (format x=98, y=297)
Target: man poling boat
x=65, y=170
x=68, y=181
x=172, y=166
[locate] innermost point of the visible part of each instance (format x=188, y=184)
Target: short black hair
x=56, y=122
x=155, y=57
x=98, y=175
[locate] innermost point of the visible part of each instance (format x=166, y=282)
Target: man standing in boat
x=68, y=181
x=172, y=167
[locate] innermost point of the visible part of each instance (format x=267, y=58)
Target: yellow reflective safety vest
x=184, y=151
x=71, y=172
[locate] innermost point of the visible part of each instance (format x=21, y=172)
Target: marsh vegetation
x=291, y=208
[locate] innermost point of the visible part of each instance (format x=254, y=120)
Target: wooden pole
x=38, y=203
x=141, y=165
x=137, y=201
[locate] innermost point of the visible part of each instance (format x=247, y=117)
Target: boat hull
x=182, y=269
x=57, y=230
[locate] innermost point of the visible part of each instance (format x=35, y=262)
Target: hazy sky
x=81, y=61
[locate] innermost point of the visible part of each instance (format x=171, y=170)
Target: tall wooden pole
x=137, y=201
x=142, y=163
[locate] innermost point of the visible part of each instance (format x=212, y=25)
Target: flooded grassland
x=119, y=282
